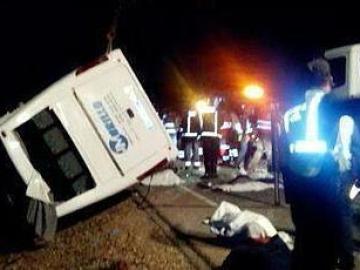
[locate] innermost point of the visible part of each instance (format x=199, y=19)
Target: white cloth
x=253, y=186
x=354, y=191
x=341, y=150
x=38, y=189
x=229, y=220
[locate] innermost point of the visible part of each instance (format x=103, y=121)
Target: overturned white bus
x=84, y=138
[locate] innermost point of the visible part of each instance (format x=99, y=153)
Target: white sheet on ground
x=260, y=173
x=163, y=178
x=245, y=187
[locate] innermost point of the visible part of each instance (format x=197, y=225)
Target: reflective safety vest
x=240, y=129
x=263, y=124
x=192, y=125
x=302, y=126
x=306, y=148
x=209, y=122
x=170, y=128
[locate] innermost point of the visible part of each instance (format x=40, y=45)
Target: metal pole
x=275, y=151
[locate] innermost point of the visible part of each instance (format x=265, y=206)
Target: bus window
x=54, y=155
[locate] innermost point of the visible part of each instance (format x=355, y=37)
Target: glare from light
x=315, y=146
x=201, y=105
x=253, y=92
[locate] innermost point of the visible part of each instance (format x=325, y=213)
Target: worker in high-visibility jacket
x=190, y=136
x=317, y=167
x=210, y=140
x=229, y=139
x=170, y=126
x=244, y=131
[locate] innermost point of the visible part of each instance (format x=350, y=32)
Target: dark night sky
x=42, y=42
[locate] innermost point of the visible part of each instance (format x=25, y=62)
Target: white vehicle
x=345, y=66
x=86, y=137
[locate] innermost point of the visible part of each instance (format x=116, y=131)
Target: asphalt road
x=252, y=197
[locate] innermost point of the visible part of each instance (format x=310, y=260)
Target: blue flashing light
x=309, y=146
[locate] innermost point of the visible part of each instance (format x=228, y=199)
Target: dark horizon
x=205, y=43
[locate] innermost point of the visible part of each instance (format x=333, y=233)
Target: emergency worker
x=191, y=131
x=210, y=140
x=316, y=166
x=229, y=137
x=170, y=126
x=225, y=131
x=233, y=140
x=244, y=135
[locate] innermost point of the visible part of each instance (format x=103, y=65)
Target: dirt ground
x=119, y=236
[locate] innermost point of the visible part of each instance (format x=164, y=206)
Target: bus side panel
x=125, y=122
